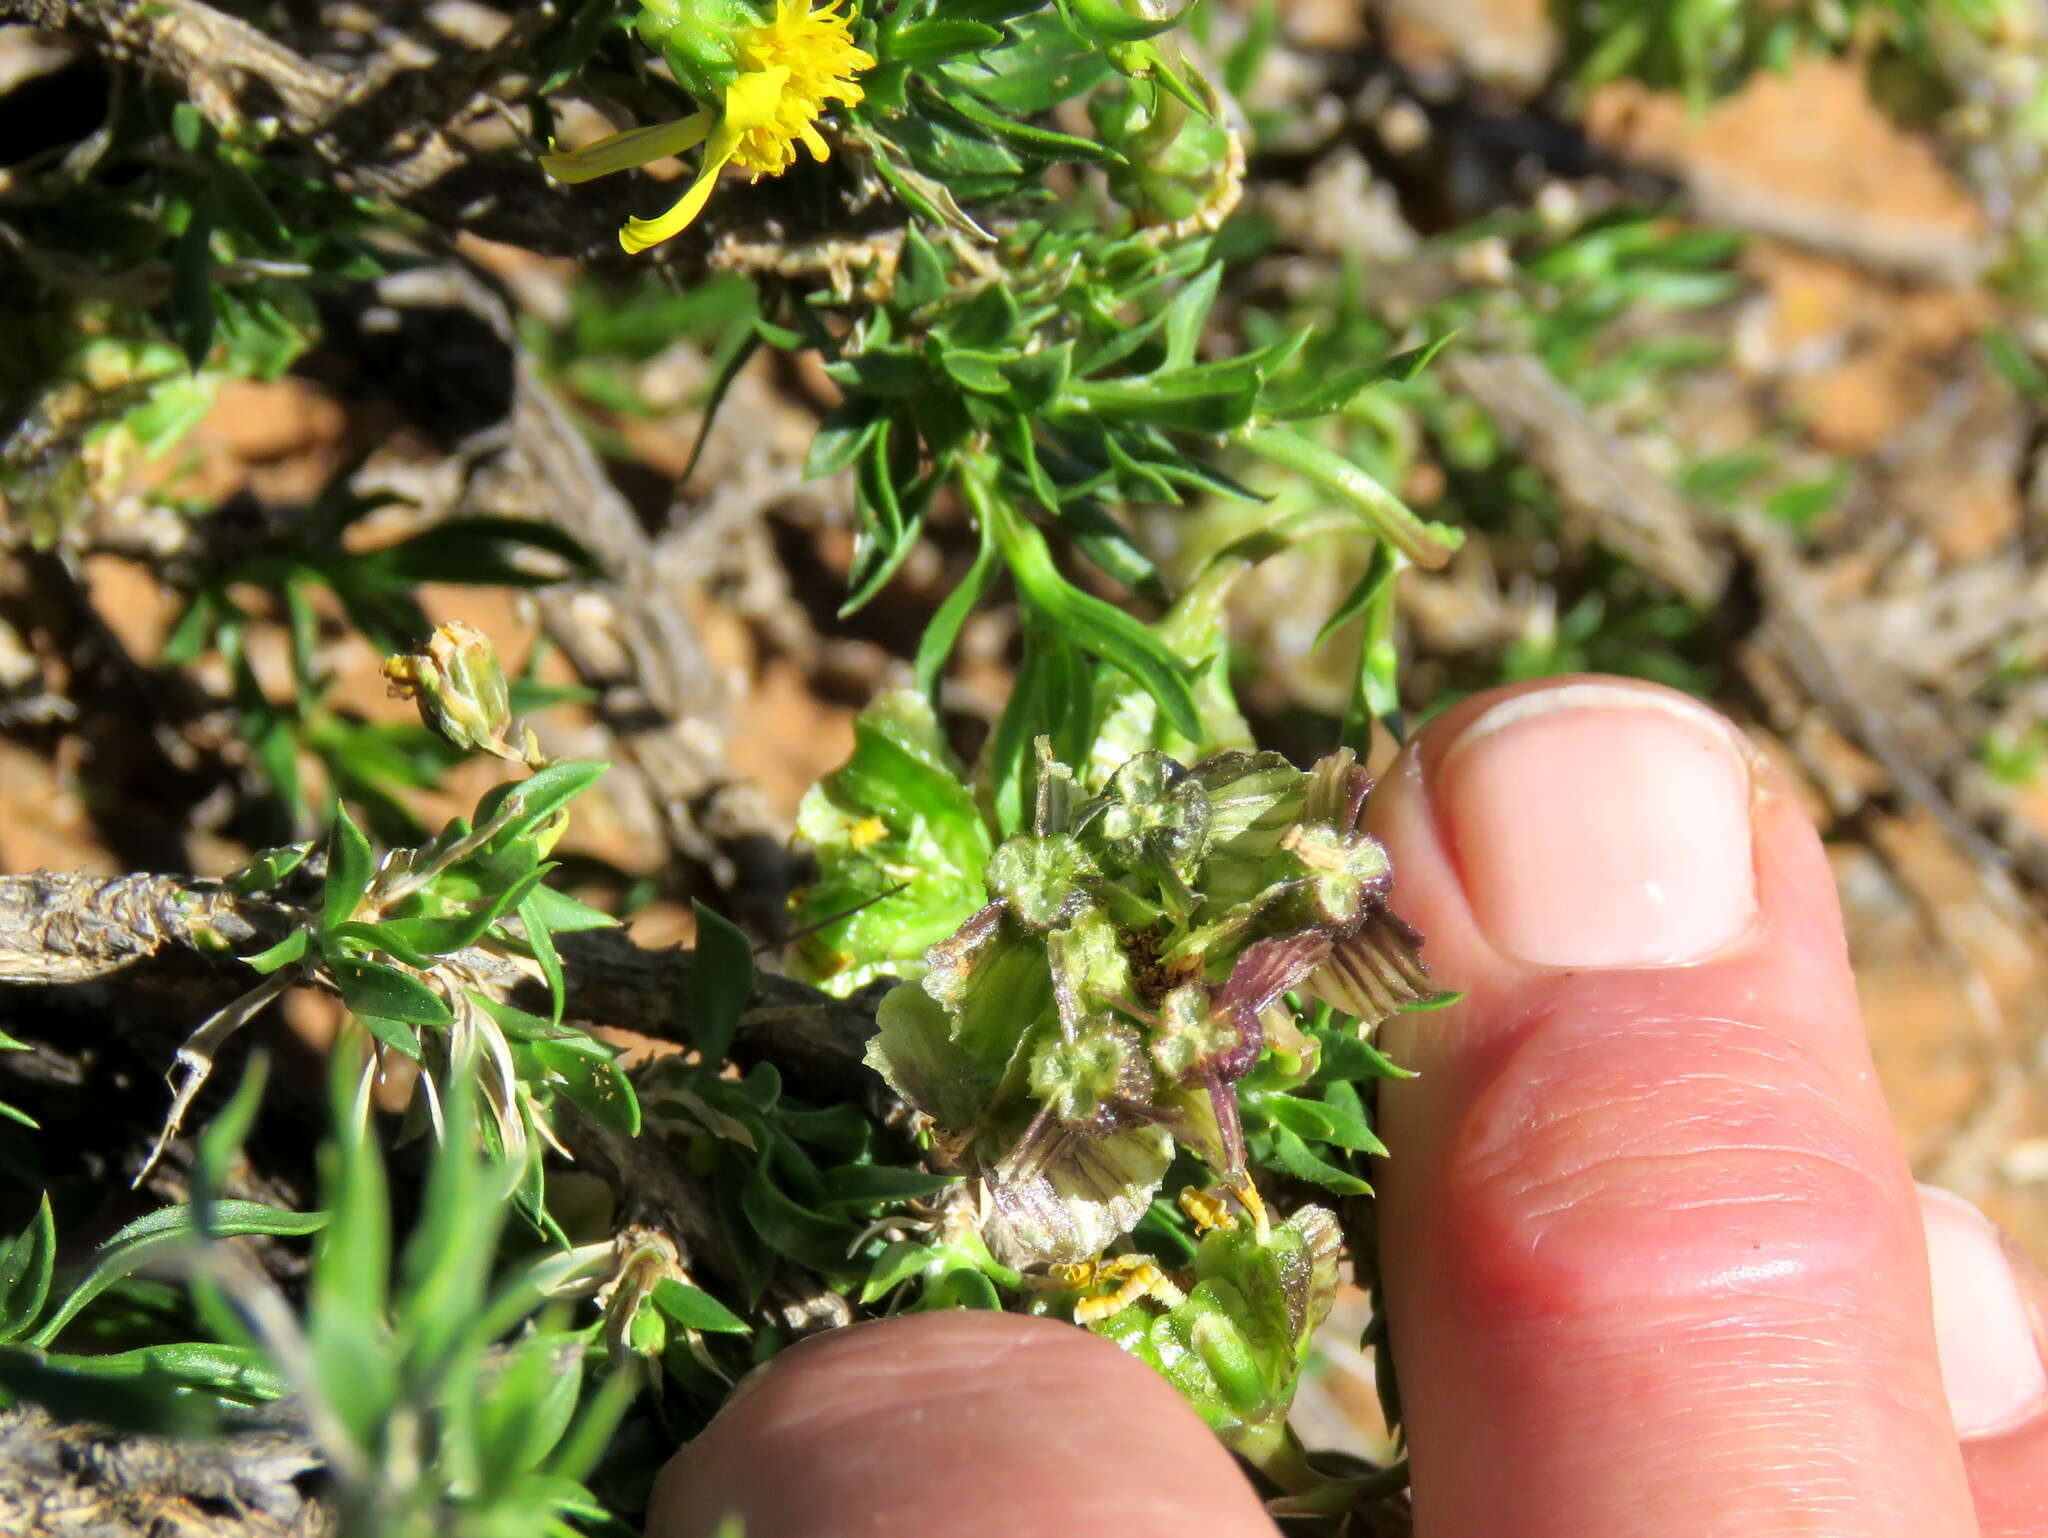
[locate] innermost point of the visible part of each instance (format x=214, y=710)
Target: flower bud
x=460, y=690
x=1172, y=156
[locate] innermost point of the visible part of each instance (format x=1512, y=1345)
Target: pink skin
x=1655, y=1263
x=937, y=1424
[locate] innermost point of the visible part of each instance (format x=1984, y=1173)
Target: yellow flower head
x=815, y=47
x=789, y=68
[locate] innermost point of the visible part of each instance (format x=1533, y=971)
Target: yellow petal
x=634, y=147
x=753, y=100
x=639, y=234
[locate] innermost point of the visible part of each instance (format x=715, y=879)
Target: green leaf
x=188, y=127
x=1110, y=546
x=920, y=272
x=1044, y=65
x=371, y=988
x=416, y=941
x=1803, y=503
x=721, y=982
x=1086, y=620
x=897, y=1264
x=524, y=1409
x=25, y=1268
x=395, y=1034
x=1340, y=1120
x=1375, y=685
x=842, y=437
x=1302, y=1117
x=793, y=1231
x=737, y=357
x=866, y=1185
x=541, y=941
x=350, y=865
x=566, y=46
x=240, y=1373
x=931, y=41
x=565, y=915
x=220, y=1144
x=885, y=538
x=192, y=312
x=1350, y=1126
x=1338, y=391
x=943, y=630
x=1041, y=143
x=873, y=572
x=595, y=1084
x=475, y=551
x=900, y=844
x=696, y=1309
x=957, y=156
x=356, y=937
x=1111, y=21
x=267, y=867
x=1037, y=379
x=1203, y=399
x=2016, y=362
x=69, y=1393
x=588, y=1438
x=518, y=1025
x=194, y=630
x=1378, y=574
x=891, y=371
x=1348, y=1058
x=1185, y=316
x=288, y=950
x=1296, y=1158
x=962, y=1288
x=753, y=1262
x=1428, y=545
x=538, y=797
x=1440, y=1000
x=780, y=336
x=167, y=1229
x=976, y=369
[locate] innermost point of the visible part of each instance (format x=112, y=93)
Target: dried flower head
x=1126, y=976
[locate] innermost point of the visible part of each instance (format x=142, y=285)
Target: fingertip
x=956, y=1422
x=1991, y=1327
x=1645, y=1209
x=1987, y=1321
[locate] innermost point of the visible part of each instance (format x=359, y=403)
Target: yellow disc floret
x=817, y=49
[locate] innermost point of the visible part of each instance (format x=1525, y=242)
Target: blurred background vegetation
x=1742, y=387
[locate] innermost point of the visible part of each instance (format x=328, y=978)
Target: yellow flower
x=790, y=67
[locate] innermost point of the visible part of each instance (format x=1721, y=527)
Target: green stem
x=1428, y=545
x=1309, y=1491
